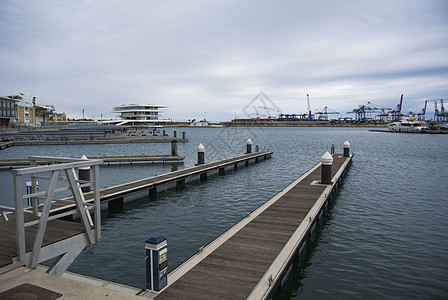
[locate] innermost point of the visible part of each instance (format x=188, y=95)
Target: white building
x=139, y=114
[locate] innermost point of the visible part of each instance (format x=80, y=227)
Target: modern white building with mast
x=139, y=115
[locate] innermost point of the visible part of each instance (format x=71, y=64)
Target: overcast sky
x=211, y=58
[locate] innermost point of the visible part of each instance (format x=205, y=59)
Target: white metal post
x=20, y=228
x=97, y=202
x=34, y=200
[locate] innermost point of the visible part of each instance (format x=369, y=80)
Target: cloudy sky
x=210, y=58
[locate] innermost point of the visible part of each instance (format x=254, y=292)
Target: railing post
x=35, y=188
x=97, y=201
x=20, y=228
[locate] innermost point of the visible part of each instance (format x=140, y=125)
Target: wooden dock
x=108, y=160
x=100, y=140
x=250, y=260
x=127, y=192
x=4, y=145
x=56, y=231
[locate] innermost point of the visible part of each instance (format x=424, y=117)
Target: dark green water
x=385, y=236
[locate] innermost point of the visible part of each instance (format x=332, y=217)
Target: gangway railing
x=58, y=168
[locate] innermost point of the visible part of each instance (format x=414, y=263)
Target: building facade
x=25, y=113
x=139, y=114
x=8, y=110
x=22, y=110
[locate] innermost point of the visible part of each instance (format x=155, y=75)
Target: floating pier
x=107, y=160
x=4, y=145
x=251, y=260
x=127, y=192
x=100, y=140
x=254, y=257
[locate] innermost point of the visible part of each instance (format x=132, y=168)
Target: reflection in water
x=384, y=237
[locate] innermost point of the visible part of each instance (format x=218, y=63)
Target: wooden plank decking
x=236, y=267
x=57, y=230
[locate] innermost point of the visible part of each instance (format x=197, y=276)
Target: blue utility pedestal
x=156, y=263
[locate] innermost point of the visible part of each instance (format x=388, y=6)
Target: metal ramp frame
x=67, y=249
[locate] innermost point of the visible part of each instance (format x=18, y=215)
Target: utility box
x=156, y=263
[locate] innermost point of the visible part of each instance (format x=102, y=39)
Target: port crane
x=310, y=117
x=421, y=115
x=396, y=113
x=441, y=116
x=323, y=113
x=364, y=112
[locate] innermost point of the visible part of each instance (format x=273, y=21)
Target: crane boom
x=309, y=108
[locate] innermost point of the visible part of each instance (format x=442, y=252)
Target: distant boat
x=206, y=124
x=410, y=124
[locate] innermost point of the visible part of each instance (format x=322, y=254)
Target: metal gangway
x=39, y=233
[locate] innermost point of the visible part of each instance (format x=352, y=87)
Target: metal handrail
x=67, y=166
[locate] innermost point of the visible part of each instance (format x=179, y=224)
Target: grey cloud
x=218, y=55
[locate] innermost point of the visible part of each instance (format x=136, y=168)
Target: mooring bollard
x=84, y=174
x=201, y=154
x=346, y=149
x=327, y=162
x=156, y=263
x=175, y=133
x=183, y=135
x=248, y=146
x=332, y=149
x=174, y=148
x=257, y=148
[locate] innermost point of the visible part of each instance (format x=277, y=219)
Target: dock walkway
x=123, y=193
x=250, y=260
x=4, y=145
x=108, y=160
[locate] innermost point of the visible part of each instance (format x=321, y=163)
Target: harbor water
x=384, y=236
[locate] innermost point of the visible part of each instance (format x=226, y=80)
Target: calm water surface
x=385, y=235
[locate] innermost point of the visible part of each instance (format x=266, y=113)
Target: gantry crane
x=323, y=113
x=396, y=113
x=421, y=115
x=441, y=116
x=364, y=112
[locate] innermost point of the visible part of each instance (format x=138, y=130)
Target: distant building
x=139, y=115
x=22, y=110
x=44, y=113
x=62, y=117
x=8, y=110
x=25, y=113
